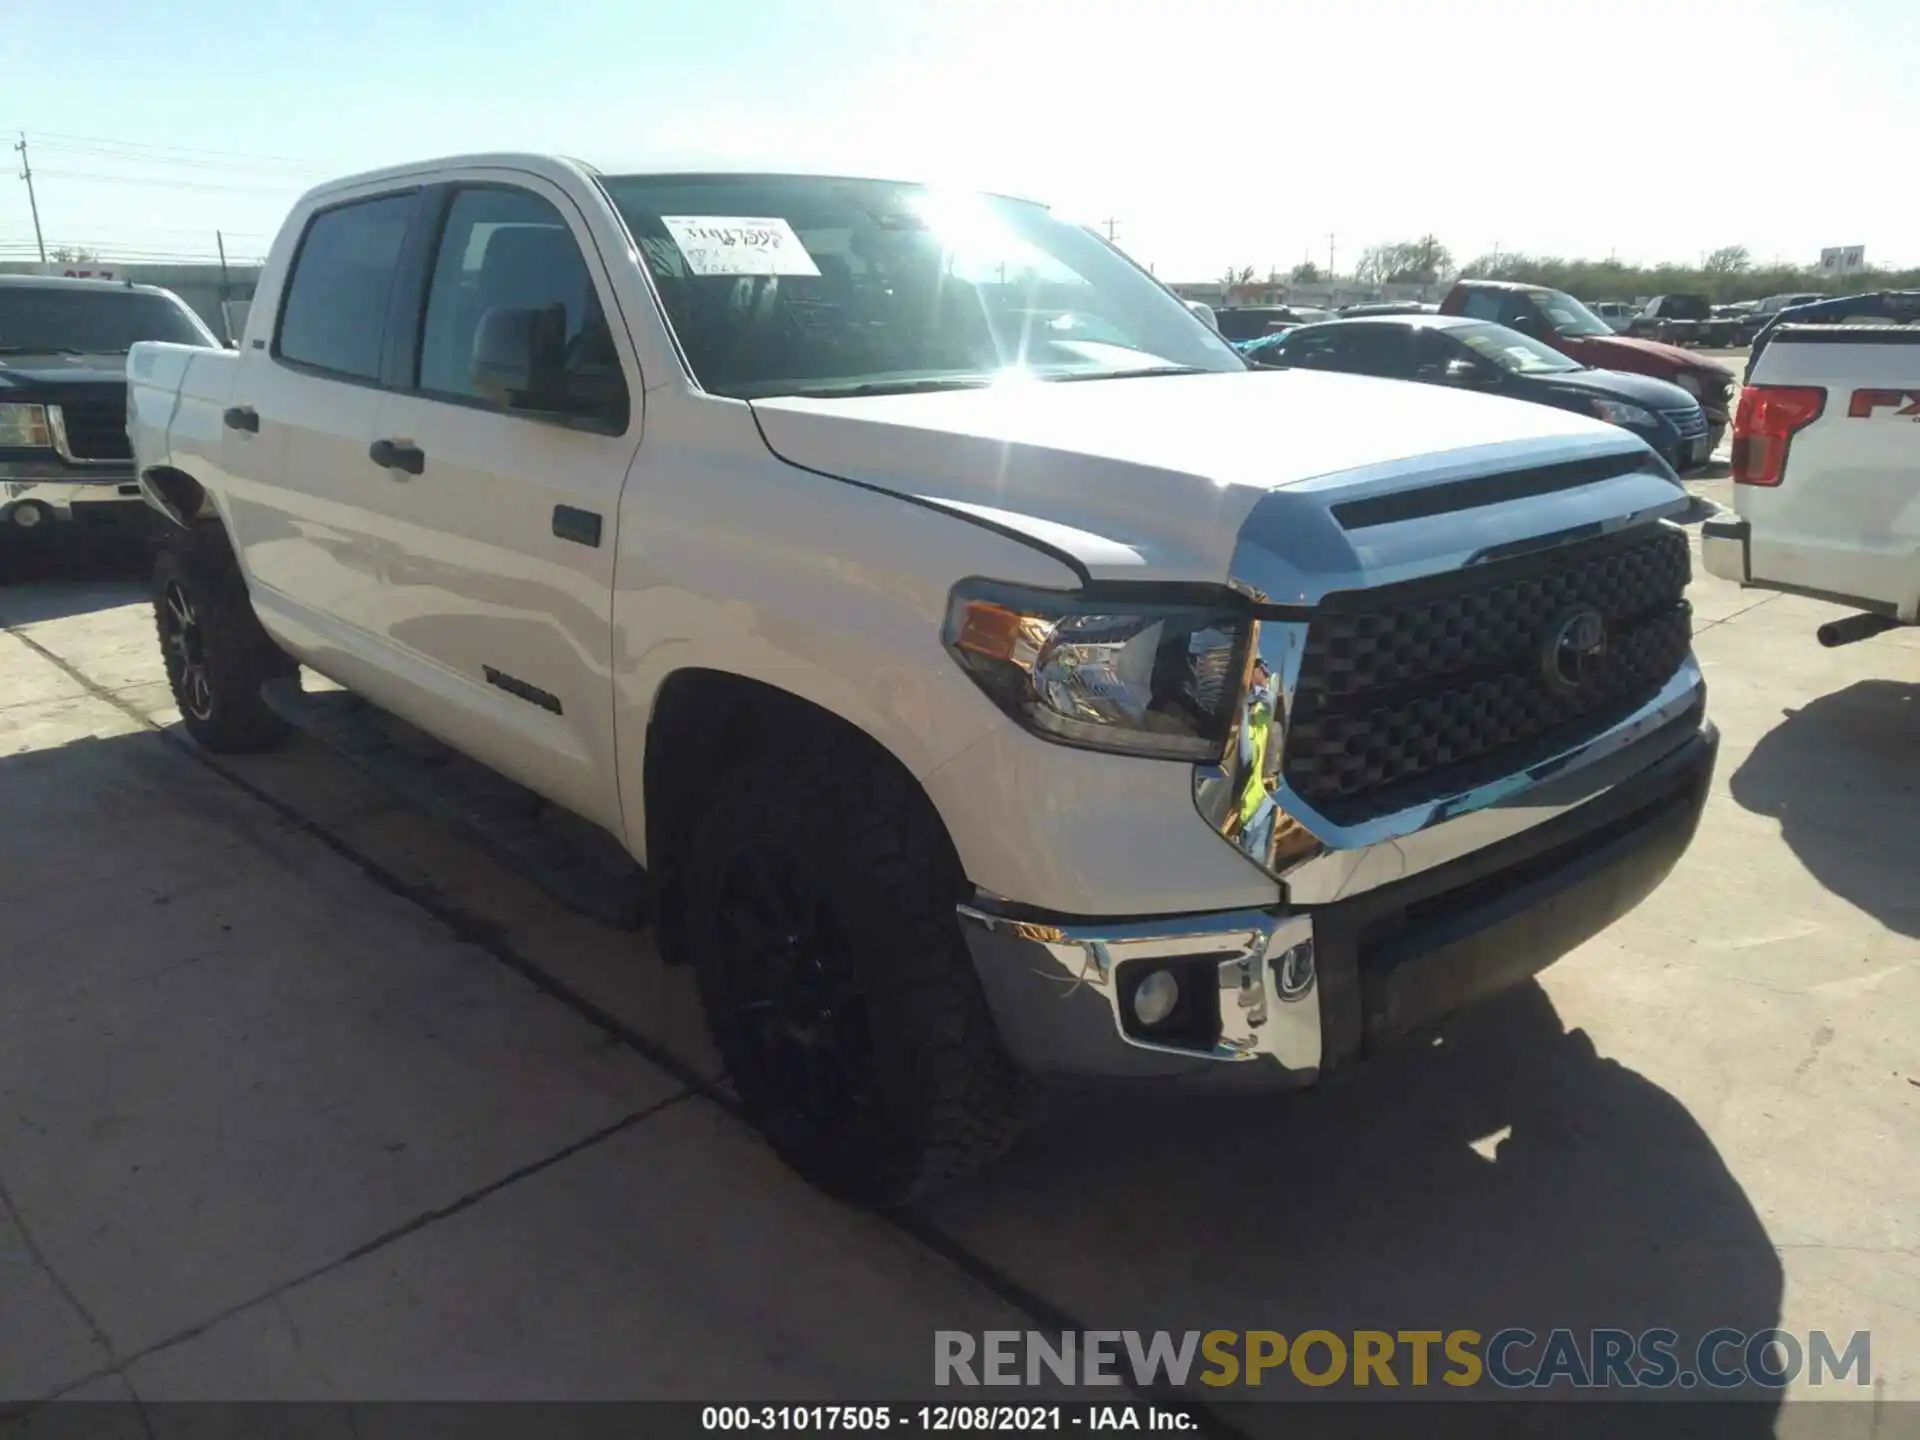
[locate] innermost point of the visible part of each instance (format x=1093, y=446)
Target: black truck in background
x=66, y=466
x=1683, y=320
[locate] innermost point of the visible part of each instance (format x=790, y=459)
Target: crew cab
x=65, y=463
x=991, y=701
x=1489, y=358
x=1567, y=325
x=1826, y=470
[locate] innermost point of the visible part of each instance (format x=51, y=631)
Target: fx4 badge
x=1905, y=404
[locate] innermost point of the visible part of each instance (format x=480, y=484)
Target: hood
x=1626, y=352
x=30, y=372
x=1153, y=478
x=1646, y=390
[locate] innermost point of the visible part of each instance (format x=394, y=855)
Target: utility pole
x=1331, y=272
x=1112, y=226
x=33, y=204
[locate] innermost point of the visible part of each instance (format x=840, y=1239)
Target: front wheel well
x=707, y=722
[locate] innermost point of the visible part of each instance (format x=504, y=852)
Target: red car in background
x=1555, y=317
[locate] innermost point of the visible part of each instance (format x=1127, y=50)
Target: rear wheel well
x=706, y=722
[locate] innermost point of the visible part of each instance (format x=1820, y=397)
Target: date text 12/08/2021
x=940, y=1419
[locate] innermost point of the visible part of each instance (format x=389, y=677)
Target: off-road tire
x=943, y=1098
x=221, y=707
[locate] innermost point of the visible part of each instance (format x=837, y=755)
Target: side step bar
x=572, y=859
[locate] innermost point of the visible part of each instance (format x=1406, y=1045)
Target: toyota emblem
x=1576, y=645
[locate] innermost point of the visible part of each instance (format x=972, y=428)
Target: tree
x=1729, y=260
x=1305, y=273
x=73, y=255
x=1235, y=280
x=1409, y=262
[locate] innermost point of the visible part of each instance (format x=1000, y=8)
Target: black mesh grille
x=1415, y=691
x=97, y=429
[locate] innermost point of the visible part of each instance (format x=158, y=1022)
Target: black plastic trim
x=1480, y=907
x=1479, y=490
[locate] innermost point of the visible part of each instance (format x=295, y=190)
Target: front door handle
x=397, y=455
x=241, y=417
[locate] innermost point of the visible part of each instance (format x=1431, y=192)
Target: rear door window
x=334, y=317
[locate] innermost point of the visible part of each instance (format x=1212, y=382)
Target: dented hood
x=1153, y=478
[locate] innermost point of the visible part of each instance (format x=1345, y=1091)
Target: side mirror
x=518, y=358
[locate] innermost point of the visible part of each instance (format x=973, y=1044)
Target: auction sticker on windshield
x=739, y=245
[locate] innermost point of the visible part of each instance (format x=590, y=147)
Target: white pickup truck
x=996, y=678
x=1826, y=470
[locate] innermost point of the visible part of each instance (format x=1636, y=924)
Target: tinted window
x=1358, y=349
x=36, y=320
x=783, y=285
x=335, y=314
x=511, y=250
x=1482, y=304
x=1249, y=324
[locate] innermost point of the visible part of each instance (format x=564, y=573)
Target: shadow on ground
x=1505, y=1175
x=50, y=580
x=1839, y=774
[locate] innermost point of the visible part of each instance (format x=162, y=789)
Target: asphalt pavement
x=303, y=1095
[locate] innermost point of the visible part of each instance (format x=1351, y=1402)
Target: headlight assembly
x=1139, y=678
x=1619, y=412
x=24, y=427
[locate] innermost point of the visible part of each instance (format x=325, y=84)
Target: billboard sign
x=1843, y=259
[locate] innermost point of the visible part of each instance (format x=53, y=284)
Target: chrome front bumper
x=55, y=497
x=1058, y=989
x=1290, y=993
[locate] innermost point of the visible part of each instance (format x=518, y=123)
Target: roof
x=561, y=167
x=1500, y=284
x=1424, y=320
x=73, y=282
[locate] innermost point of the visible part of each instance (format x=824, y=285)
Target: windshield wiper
x=1140, y=374
x=888, y=387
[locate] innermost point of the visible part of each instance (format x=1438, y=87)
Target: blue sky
x=1216, y=132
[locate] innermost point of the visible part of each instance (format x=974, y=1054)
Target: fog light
x=1155, y=997
x=26, y=515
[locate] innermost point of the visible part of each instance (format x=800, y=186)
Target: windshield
x=1567, y=315
x=92, y=322
x=1513, y=352
x=780, y=285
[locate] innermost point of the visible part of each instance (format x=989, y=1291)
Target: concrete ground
x=302, y=1096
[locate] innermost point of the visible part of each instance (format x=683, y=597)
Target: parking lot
x=307, y=1097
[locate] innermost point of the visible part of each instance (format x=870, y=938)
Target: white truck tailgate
x=1845, y=518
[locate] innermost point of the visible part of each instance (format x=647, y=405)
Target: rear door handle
x=241, y=417
x=397, y=455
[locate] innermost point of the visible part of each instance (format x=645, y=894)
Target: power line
x=169, y=183
x=149, y=147
x=172, y=162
